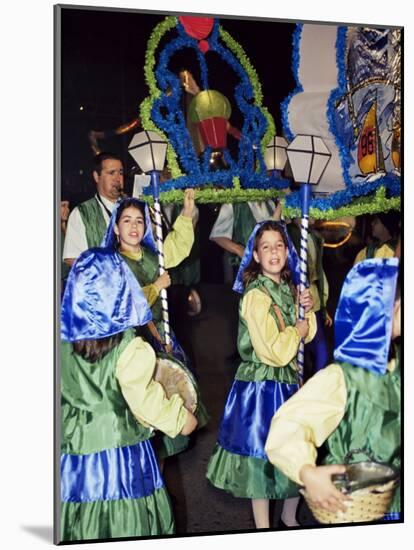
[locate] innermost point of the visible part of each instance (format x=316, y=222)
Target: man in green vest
x=87, y=222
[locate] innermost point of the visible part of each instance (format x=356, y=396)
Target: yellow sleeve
x=272, y=347
x=306, y=420
x=311, y=317
x=151, y=293
x=178, y=242
x=145, y=397
x=384, y=251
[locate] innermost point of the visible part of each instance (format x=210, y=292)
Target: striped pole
x=155, y=178
x=305, y=192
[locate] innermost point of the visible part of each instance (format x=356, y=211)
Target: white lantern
x=275, y=154
x=148, y=149
x=308, y=157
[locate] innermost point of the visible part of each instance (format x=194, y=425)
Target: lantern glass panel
x=318, y=166
x=300, y=162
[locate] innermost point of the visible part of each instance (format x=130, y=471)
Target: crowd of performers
x=118, y=426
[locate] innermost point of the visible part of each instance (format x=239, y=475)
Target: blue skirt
x=248, y=412
x=239, y=464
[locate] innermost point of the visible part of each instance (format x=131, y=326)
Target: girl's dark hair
x=126, y=203
x=94, y=350
x=253, y=269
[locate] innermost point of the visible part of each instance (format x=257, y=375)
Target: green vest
x=243, y=225
x=294, y=233
x=94, y=414
x=94, y=221
x=372, y=419
x=251, y=368
x=146, y=271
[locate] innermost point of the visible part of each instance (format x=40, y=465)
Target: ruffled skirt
x=239, y=464
x=114, y=493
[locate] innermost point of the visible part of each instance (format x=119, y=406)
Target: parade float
x=348, y=92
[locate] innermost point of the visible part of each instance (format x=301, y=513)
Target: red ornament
x=214, y=132
x=203, y=46
x=197, y=27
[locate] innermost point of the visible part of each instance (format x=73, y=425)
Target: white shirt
x=75, y=238
x=223, y=226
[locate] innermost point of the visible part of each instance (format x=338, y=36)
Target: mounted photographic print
x=228, y=274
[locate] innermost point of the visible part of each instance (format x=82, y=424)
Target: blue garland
x=167, y=115
x=174, y=123
x=335, y=95
x=250, y=167
x=284, y=106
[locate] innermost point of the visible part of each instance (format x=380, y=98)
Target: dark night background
x=103, y=54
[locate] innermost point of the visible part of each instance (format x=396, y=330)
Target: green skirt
x=106, y=519
x=248, y=477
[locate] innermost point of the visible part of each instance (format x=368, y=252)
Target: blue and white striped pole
x=305, y=194
x=155, y=180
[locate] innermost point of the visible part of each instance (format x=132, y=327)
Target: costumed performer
x=354, y=403
x=111, y=485
x=268, y=340
x=88, y=221
x=385, y=228
x=130, y=234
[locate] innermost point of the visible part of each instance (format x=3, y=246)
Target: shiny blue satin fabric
x=148, y=241
x=363, y=319
x=102, y=297
x=392, y=516
x=293, y=258
x=113, y=474
x=249, y=410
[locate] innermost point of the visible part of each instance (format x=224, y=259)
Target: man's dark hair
x=98, y=160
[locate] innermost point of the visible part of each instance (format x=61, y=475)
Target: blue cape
x=363, y=319
x=102, y=297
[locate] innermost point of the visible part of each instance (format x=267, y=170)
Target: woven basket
x=371, y=486
x=367, y=504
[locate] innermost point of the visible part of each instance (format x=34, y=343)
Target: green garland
x=371, y=204
x=365, y=205
x=245, y=62
x=213, y=195
x=167, y=24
